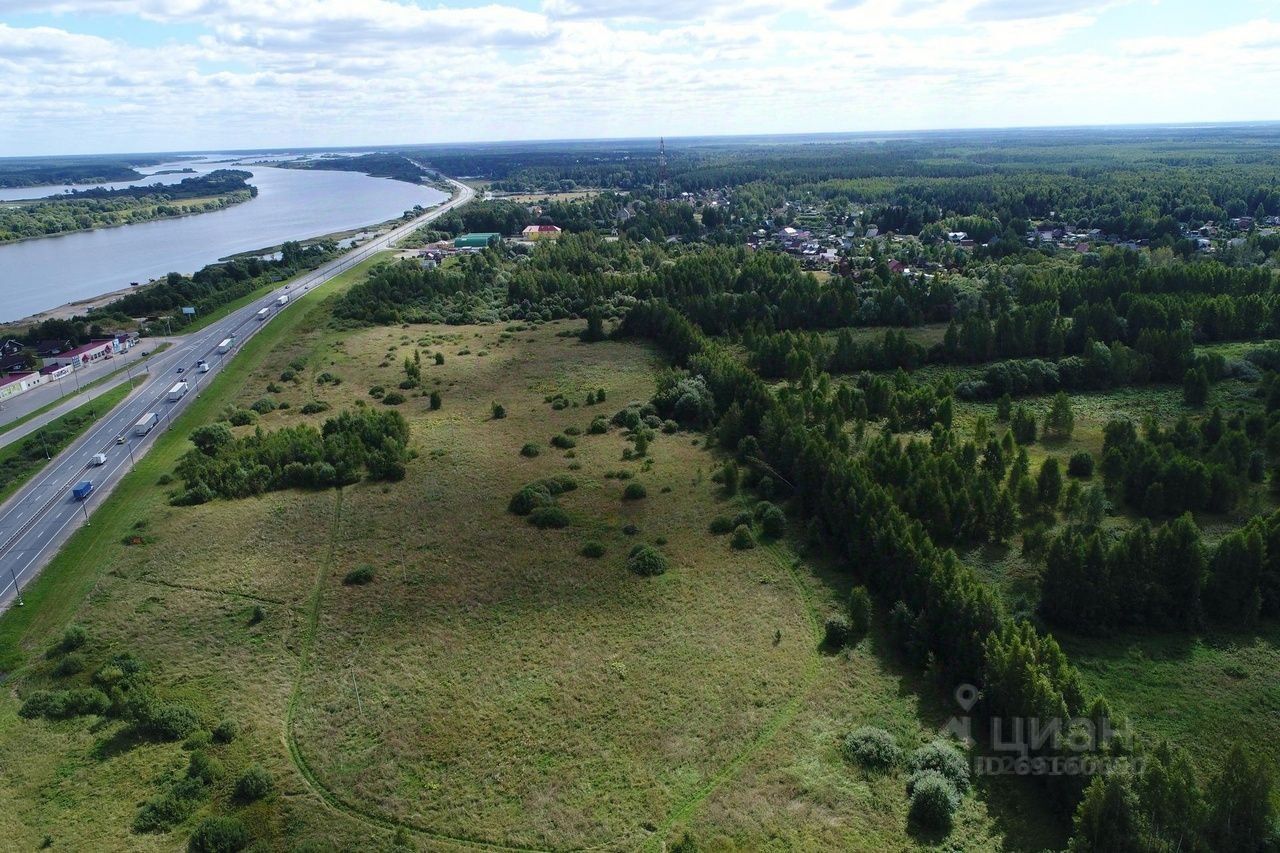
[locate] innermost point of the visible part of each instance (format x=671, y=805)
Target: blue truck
x=82, y=490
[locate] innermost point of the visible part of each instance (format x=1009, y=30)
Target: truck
x=145, y=423
x=263, y=313
x=202, y=366
x=281, y=300
x=82, y=490
x=225, y=346
x=178, y=391
x=98, y=459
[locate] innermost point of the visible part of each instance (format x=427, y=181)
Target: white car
x=98, y=459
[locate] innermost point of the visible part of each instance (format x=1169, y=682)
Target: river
x=292, y=204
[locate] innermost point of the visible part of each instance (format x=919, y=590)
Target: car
x=145, y=353
x=180, y=369
x=119, y=439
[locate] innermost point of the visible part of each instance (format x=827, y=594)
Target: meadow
x=490, y=685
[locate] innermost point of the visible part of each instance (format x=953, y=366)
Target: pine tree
x=1060, y=421
x=1195, y=387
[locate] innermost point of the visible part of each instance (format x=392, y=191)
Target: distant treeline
x=97, y=208
x=379, y=165
x=39, y=171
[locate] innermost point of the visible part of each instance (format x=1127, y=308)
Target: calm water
x=292, y=204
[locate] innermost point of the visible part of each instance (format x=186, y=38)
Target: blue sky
x=84, y=76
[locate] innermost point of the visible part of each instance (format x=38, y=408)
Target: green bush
x=264, y=406
x=530, y=450
x=288, y=375
x=773, y=524
x=73, y=638
x=435, y=400
x=871, y=748
x=563, y=442
x=225, y=731
x=835, y=632
x=204, y=767
x=499, y=411
x=1080, y=465
x=934, y=800
x=219, y=835
x=393, y=398
x=242, y=417
x=943, y=758
x=598, y=426
x=71, y=664
x=359, y=576
x=529, y=498
x=253, y=784
x=163, y=812
x=439, y=358
x=314, y=407
x=634, y=492
x=743, y=540
x=593, y=549
x=859, y=611
x=549, y=517
x=647, y=561
x=630, y=529
x=63, y=704
x=169, y=721
x=721, y=525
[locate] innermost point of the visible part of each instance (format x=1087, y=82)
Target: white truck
x=202, y=366
x=282, y=300
x=178, y=391
x=263, y=313
x=225, y=346
x=98, y=459
x=146, y=423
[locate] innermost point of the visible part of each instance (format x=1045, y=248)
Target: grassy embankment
x=491, y=684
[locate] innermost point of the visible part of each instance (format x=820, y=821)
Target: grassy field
x=492, y=686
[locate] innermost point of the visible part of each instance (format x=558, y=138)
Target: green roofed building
x=475, y=241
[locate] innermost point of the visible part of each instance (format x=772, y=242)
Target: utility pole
x=17, y=587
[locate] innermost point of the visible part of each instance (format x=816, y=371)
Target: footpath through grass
x=21, y=461
x=52, y=598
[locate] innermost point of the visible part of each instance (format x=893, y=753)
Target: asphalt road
x=39, y=518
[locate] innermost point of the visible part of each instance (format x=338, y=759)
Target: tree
x=1107, y=819
x=1060, y=421
x=1023, y=424
x=859, y=611
x=1195, y=387
x=1004, y=407
x=1049, y=482
x=1240, y=804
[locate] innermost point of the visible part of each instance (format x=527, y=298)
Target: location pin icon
x=966, y=696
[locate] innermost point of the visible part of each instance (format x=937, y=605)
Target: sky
x=93, y=76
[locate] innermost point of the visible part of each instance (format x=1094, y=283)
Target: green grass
x=22, y=460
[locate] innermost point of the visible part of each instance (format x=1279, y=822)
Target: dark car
x=180, y=369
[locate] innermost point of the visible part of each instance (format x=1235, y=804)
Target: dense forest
x=377, y=165
x=42, y=171
x=96, y=208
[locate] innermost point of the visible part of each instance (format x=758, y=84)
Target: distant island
x=47, y=171
x=83, y=210
x=378, y=165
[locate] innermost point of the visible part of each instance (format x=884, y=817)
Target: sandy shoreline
x=69, y=310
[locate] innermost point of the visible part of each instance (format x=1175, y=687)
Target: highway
x=42, y=515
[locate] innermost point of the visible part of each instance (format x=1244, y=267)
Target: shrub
x=165, y=811
x=859, y=611
x=934, y=800
x=70, y=665
x=601, y=396
x=529, y=498
x=499, y=412
x=219, y=835
x=598, y=426
x=62, y=704
x=435, y=400
x=721, y=525
x=314, y=407
x=835, y=632
x=264, y=406
x=439, y=358
x=377, y=392
x=572, y=430
x=647, y=561
x=630, y=530
x=242, y=417
x=634, y=492
x=871, y=748
x=593, y=549
x=257, y=614
x=73, y=638
x=773, y=524
x=563, y=442
x=225, y=731
x=530, y=450
x=199, y=739
x=393, y=398
x=169, y=720
x=943, y=758
x=253, y=784
x=1080, y=464
x=287, y=375
x=549, y=517
x=359, y=576
x=204, y=767
x=743, y=540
